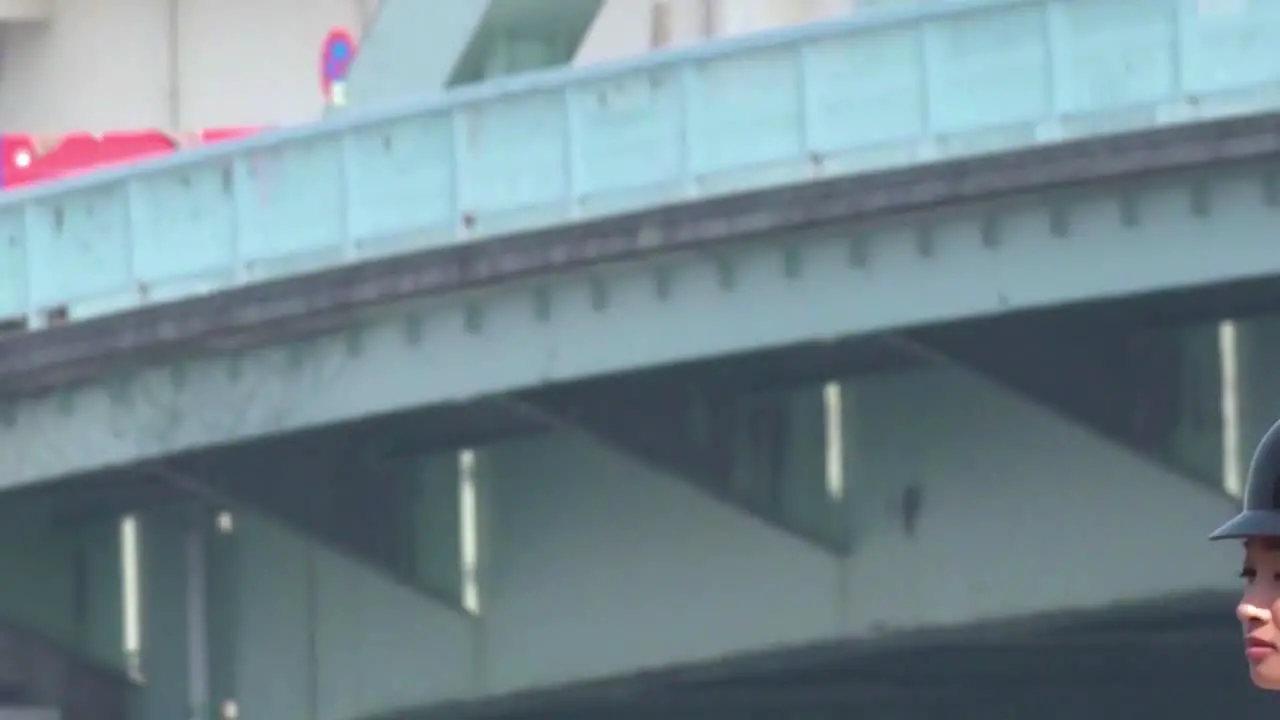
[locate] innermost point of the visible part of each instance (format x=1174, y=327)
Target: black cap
x=1261, y=514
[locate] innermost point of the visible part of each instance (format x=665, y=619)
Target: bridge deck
x=1074, y=223
x=272, y=313
x=781, y=109
x=287, y=235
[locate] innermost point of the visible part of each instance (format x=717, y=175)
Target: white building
x=619, y=30
x=183, y=64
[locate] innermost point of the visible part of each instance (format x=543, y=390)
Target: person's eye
x=1249, y=574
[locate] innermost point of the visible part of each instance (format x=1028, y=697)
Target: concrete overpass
x=702, y=372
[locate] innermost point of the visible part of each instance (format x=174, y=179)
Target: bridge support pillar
x=281, y=588
x=301, y=631
x=60, y=611
x=61, y=582
x=185, y=605
x=433, y=487
x=389, y=505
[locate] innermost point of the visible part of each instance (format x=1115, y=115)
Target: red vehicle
x=27, y=159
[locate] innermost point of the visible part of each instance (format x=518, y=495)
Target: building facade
x=98, y=65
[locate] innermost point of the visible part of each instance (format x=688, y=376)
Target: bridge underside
x=847, y=489
x=779, y=491
x=1177, y=658
x=988, y=238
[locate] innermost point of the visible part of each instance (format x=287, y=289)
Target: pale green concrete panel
x=275, y=675
x=411, y=49
x=104, y=627
x=523, y=35
x=1197, y=445
x=1220, y=401
x=601, y=565
x=61, y=582
x=322, y=637
x=380, y=645
x=1257, y=389
x=1001, y=484
x=962, y=491
x=1155, y=387
x=38, y=565
x=435, y=529
x=415, y=48
x=163, y=564
x=804, y=498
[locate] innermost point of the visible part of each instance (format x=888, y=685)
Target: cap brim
x=1250, y=523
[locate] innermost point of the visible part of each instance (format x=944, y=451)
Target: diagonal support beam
x=416, y=48
x=1141, y=387
x=713, y=438
x=653, y=427
x=360, y=509
x=59, y=621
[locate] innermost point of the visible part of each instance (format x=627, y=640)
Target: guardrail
x=876, y=91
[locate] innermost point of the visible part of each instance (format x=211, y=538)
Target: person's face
x=1259, y=611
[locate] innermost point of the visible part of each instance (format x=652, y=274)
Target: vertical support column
x=197, y=618
x=102, y=622
x=162, y=555
x=449, y=491
x=1203, y=399
x=38, y=569
x=222, y=600
x=436, y=525
x=175, y=557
